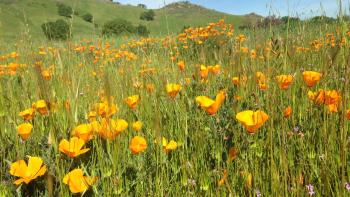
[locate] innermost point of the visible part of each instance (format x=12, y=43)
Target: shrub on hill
x=117, y=27
x=142, y=30
x=88, y=17
x=148, y=15
x=58, y=30
x=64, y=10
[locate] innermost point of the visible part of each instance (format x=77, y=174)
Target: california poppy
x=235, y=80
x=77, y=182
x=248, y=178
x=24, y=130
x=27, y=114
x=209, y=105
x=27, y=173
x=173, y=89
x=204, y=71
x=287, y=112
x=232, y=153
x=181, y=65
x=106, y=109
x=41, y=107
x=73, y=147
x=214, y=69
x=348, y=114
x=132, y=101
x=284, y=81
x=252, y=120
x=137, y=125
x=311, y=77
x=168, y=146
x=138, y=144
x=83, y=131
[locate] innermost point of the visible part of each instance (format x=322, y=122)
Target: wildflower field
x=211, y=111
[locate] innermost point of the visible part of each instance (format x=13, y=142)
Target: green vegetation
x=148, y=15
x=88, y=17
x=28, y=15
x=58, y=30
x=64, y=10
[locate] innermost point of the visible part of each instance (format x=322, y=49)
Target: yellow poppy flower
x=132, y=101
x=24, y=130
x=284, y=81
x=252, y=120
x=41, y=107
x=209, y=105
x=137, y=125
x=83, y=131
x=172, y=145
x=27, y=173
x=311, y=77
x=73, y=147
x=77, y=182
x=138, y=144
x=173, y=89
x=27, y=114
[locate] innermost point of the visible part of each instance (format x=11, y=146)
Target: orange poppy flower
x=73, y=147
x=311, y=77
x=235, y=80
x=330, y=98
x=28, y=173
x=110, y=129
x=132, y=101
x=204, y=71
x=252, y=120
x=232, y=153
x=284, y=81
x=92, y=116
x=83, y=131
x=348, y=114
x=24, y=130
x=263, y=86
x=77, y=182
x=173, y=89
x=223, y=179
x=138, y=144
x=181, y=65
x=105, y=109
x=41, y=107
x=287, y=112
x=214, y=69
x=260, y=78
x=27, y=114
x=248, y=178
x=209, y=105
x=137, y=126
x=169, y=146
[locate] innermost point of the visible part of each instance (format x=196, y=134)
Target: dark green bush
x=88, y=17
x=64, y=10
x=117, y=27
x=142, y=30
x=58, y=30
x=148, y=15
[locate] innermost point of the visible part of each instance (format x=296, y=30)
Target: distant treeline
x=274, y=21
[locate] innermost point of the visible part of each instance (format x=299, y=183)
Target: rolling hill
x=24, y=17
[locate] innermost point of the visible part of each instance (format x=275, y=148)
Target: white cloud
x=153, y=4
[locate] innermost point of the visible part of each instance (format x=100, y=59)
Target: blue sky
x=301, y=8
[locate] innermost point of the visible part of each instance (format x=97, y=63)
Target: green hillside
x=24, y=17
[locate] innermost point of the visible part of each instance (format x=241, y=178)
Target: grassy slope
x=20, y=16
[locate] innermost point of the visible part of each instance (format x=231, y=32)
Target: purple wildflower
x=310, y=189
x=347, y=186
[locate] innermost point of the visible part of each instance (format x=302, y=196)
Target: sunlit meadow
x=212, y=111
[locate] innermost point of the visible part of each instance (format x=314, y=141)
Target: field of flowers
x=209, y=112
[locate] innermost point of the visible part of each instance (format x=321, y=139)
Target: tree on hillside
x=142, y=6
x=64, y=10
x=88, y=17
x=117, y=27
x=58, y=30
x=142, y=30
x=148, y=15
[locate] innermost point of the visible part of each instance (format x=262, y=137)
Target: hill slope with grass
x=23, y=18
